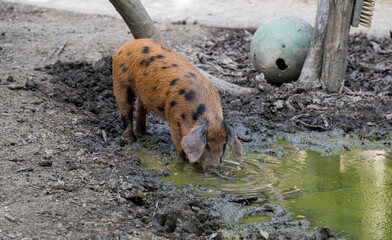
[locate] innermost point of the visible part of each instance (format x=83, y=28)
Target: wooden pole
x=336, y=44
x=311, y=71
x=141, y=26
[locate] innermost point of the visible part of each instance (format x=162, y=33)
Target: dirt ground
x=65, y=170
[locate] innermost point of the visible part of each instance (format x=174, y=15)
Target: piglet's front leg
x=141, y=112
x=175, y=131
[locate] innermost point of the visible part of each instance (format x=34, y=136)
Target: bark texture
x=137, y=19
x=336, y=44
x=311, y=71
x=141, y=26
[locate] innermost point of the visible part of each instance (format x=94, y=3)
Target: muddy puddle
x=349, y=191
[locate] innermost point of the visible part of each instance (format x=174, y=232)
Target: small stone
x=46, y=163
x=264, y=234
x=195, y=208
x=10, y=217
x=3, y=34
x=79, y=134
x=279, y=104
x=12, y=236
x=72, y=166
x=80, y=152
x=304, y=223
x=28, y=169
x=30, y=84
x=49, y=151
x=10, y=79
x=15, y=87
x=164, y=172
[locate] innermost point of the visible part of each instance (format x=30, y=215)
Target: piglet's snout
x=214, y=166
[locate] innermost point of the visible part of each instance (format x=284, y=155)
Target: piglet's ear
x=234, y=143
x=195, y=142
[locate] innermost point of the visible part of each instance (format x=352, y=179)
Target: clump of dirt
x=92, y=90
x=89, y=87
x=177, y=213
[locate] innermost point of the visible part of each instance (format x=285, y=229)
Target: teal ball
x=279, y=48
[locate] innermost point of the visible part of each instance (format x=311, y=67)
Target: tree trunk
x=141, y=26
x=336, y=44
x=137, y=19
x=311, y=71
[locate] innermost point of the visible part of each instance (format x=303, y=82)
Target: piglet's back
x=166, y=83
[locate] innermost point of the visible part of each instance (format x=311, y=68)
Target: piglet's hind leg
x=125, y=98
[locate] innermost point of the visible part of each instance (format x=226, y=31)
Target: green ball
x=279, y=48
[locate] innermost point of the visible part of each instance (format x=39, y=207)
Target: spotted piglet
x=168, y=85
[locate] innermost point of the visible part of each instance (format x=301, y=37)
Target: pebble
x=30, y=84
x=45, y=163
x=28, y=169
x=79, y=134
x=49, y=151
x=15, y=87
x=72, y=166
x=80, y=152
x=164, y=172
x=12, y=236
x=10, y=217
x=279, y=104
x=10, y=79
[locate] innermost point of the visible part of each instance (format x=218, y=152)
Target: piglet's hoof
x=141, y=131
x=129, y=135
x=181, y=158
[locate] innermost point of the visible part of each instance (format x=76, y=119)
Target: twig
x=28, y=169
x=59, y=48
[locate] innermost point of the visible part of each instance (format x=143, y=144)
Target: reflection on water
x=350, y=192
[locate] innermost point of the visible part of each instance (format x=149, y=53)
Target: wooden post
x=311, y=71
x=336, y=44
x=141, y=26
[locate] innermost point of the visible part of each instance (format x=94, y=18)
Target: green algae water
x=351, y=191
